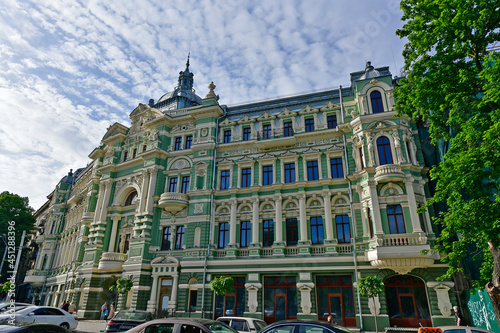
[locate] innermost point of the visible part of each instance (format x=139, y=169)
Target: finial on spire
x=187, y=62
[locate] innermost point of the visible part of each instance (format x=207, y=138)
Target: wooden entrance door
x=407, y=301
x=164, y=297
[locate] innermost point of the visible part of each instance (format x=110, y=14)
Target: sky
x=70, y=69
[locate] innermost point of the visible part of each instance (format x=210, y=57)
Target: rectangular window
x=290, y=173
x=317, y=235
x=193, y=298
x=292, y=232
x=178, y=143
x=288, y=128
x=266, y=131
x=227, y=136
x=246, y=177
x=134, y=153
x=268, y=233
x=172, y=185
x=165, y=239
x=125, y=155
x=309, y=124
x=396, y=219
x=224, y=179
x=53, y=228
x=343, y=228
x=267, y=175
x=185, y=184
x=189, y=142
x=223, y=235
x=179, y=238
x=247, y=133
x=245, y=232
x=422, y=220
x=44, y=262
x=312, y=170
x=332, y=121
x=336, y=167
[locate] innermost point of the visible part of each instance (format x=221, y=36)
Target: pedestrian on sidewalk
x=104, y=311
x=112, y=310
x=459, y=319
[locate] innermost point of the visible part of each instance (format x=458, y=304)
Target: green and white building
x=296, y=198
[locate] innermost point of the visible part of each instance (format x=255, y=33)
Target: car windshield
x=259, y=324
x=131, y=315
x=220, y=328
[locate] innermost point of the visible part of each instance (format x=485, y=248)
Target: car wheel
x=65, y=325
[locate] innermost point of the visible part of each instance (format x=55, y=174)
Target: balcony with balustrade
x=112, y=261
x=400, y=252
x=389, y=173
x=35, y=277
x=173, y=202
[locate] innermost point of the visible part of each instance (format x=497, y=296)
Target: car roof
x=308, y=321
x=462, y=327
x=200, y=321
x=229, y=317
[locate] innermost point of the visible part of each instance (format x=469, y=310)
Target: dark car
x=33, y=328
x=304, y=326
x=183, y=325
x=127, y=319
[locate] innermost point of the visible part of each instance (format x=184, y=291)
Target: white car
x=17, y=306
x=244, y=324
x=42, y=314
x=462, y=329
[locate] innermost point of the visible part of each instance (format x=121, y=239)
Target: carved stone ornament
x=198, y=208
x=374, y=306
x=441, y=289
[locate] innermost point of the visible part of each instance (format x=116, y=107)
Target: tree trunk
x=375, y=314
x=493, y=287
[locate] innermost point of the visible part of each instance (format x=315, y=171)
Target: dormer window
x=227, y=136
x=288, y=129
x=309, y=124
x=377, y=105
x=266, y=131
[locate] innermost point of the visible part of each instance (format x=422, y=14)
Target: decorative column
x=253, y=288
x=154, y=293
x=153, y=173
x=303, y=220
x=255, y=222
x=173, y=299
x=305, y=296
x=377, y=219
x=144, y=187
x=106, y=187
x=232, y=224
x=279, y=221
x=328, y=217
x=415, y=221
x=112, y=237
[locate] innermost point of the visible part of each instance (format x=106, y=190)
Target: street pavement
x=90, y=326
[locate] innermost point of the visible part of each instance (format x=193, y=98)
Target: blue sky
x=70, y=69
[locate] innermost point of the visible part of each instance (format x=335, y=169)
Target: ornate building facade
x=296, y=198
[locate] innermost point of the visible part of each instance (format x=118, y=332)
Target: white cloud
x=69, y=70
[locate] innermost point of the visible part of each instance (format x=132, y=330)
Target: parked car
x=244, y=324
x=183, y=325
x=43, y=314
x=17, y=305
x=127, y=319
x=33, y=328
x=462, y=329
x=304, y=326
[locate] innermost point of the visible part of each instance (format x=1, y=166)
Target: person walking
x=459, y=319
x=71, y=308
x=112, y=310
x=330, y=319
x=65, y=305
x=104, y=311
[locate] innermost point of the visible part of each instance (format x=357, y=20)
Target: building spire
x=187, y=62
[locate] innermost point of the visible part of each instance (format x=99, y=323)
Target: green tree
x=452, y=84
x=122, y=287
x=222, y=285
x=371, y=287
x=15, y=216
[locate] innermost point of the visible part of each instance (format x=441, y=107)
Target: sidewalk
x=90, y=326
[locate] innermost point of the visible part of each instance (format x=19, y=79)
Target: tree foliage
x=371, y=287
x=14, y=208
x=122, y=286
x=222, y=285
x=452, y=84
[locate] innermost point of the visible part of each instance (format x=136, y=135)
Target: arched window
x=131, y=199
x=377, y=105
x=384, y=150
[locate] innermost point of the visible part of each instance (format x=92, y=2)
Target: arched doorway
x=407, y=303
